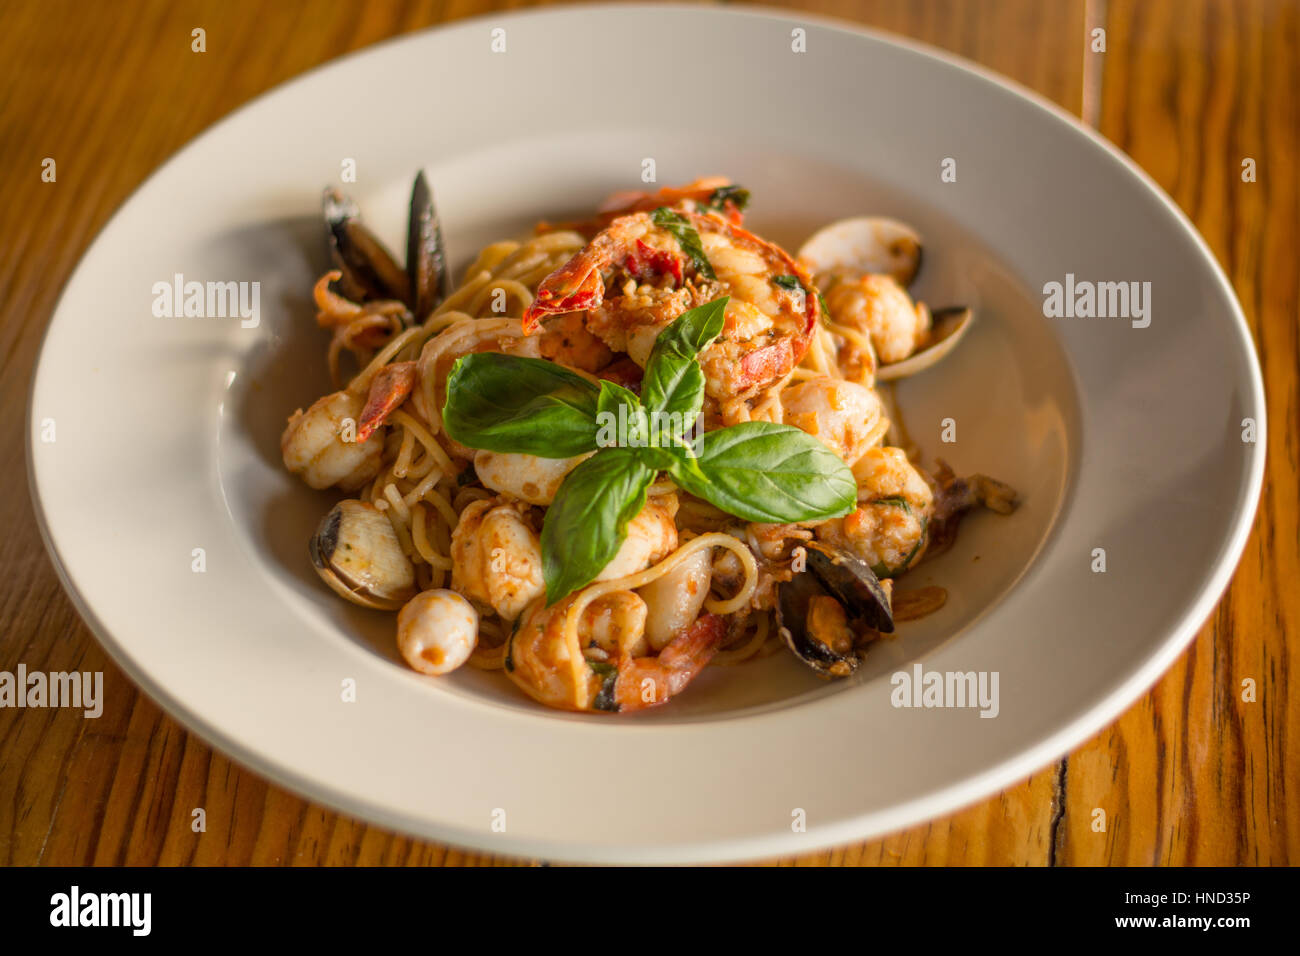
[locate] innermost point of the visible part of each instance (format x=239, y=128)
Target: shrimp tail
x=390, y=387
x=571, y=288
x=649, y=681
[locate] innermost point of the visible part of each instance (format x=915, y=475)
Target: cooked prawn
x=888, y=528
x=633, y=279
x=649, y=681
x=877, y=306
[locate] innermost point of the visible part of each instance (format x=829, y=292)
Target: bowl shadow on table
x=286, y=369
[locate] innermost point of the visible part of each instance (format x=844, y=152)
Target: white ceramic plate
x=1118, y=438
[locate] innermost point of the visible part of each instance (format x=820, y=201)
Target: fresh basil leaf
x=673, y=380
x=587, y=522
x=770, y=473
x=612, y=395
x=738, y=195
x=506, y=403
x=788, y=282
x=682, y=230
x=631, y=427
x=671, y=457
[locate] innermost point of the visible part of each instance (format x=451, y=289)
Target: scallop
x=437, y=631
x=526, y=477
x=675, y=600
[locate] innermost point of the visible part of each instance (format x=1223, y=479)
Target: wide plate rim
x=951, y=797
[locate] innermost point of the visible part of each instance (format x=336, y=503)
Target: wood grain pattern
x=1193, y=774
x=1189, y=774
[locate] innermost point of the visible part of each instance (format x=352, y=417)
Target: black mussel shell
x=369, y=270
x=851, y=581
x=426, y=258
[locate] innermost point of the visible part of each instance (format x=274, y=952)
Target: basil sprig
x=673, y=380
x=587, y=522
x=681, y=229
x=757, y=471
x=770, y=473
x=506, y=403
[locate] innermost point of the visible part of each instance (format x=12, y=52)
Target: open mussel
x=356, y=552
x=369, y=271
x=825, y=611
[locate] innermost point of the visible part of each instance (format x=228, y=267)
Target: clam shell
x=865, y=244
x=949, y=325
x=356, y=552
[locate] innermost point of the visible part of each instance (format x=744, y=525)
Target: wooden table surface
x=1191, y=774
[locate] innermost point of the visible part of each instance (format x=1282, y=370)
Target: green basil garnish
x=673, y=380
x=788, y=282
x=757, y=471
x=605, y=697
x=506, y=403
x=587, y=522
x=626, y=410
x=738, y=195
x=770, y=473
x=681, y=229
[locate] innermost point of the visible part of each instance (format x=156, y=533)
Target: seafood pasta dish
x=628, y=447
